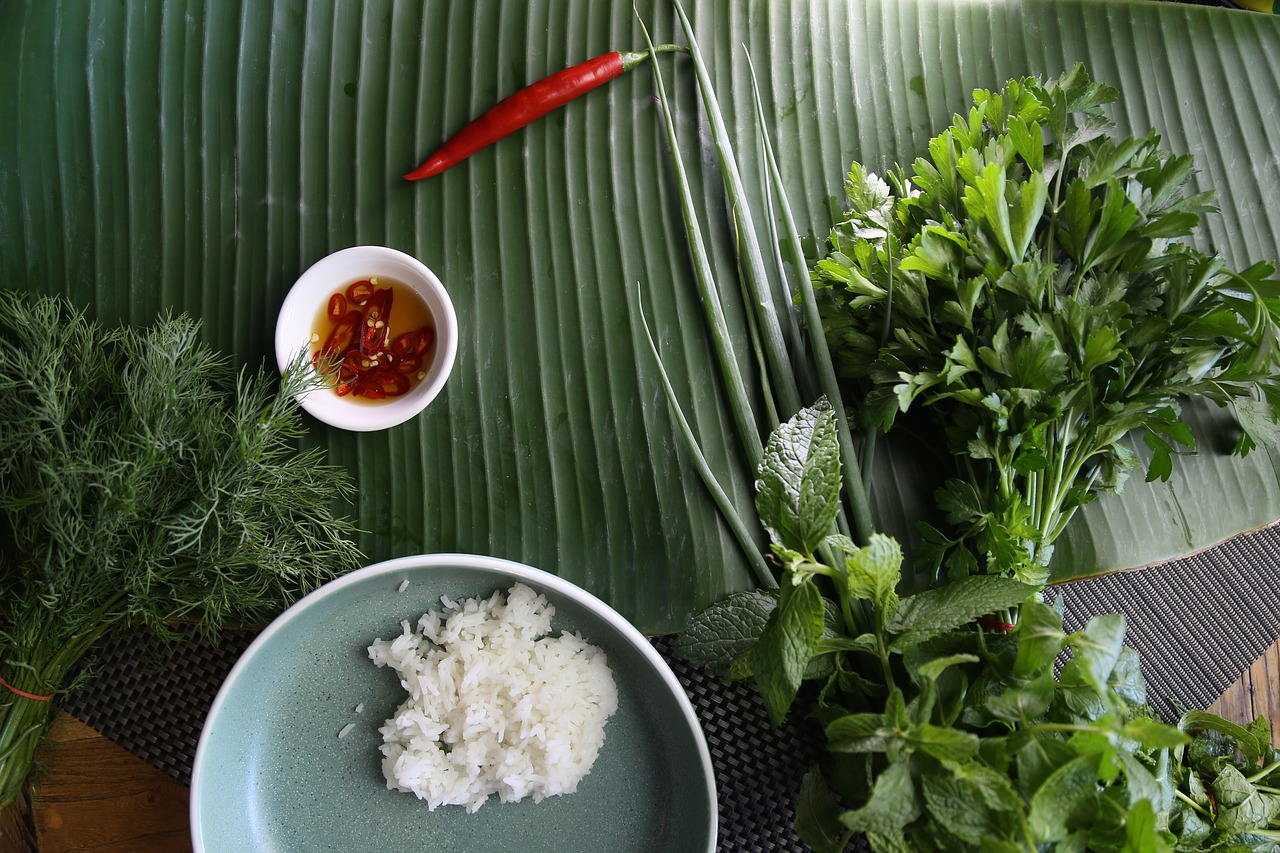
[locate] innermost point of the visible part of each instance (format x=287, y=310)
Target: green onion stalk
x=788, y=367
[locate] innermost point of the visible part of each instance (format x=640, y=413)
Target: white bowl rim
x=519, y=571
x=357, y=416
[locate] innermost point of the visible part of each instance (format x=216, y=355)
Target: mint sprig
x=942, y=734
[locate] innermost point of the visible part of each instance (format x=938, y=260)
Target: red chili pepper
x=404, y=344
x=409, y=364
x=337, y=307
x=532, y=103
x=343, y=334
x=377, y=320
x=369, y=390
x=426, y=336
x=391, y=383
x=360, y=291
x=351, y=366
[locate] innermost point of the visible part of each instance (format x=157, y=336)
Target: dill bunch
x=143, y=482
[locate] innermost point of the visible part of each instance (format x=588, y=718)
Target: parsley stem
x=1263, y=773
x=1199, y=808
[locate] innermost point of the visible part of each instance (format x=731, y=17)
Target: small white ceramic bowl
x=311, y=293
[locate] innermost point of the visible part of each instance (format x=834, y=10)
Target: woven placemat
x=1198, y=623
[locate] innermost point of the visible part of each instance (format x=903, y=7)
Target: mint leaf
x=1154, y=734
x=991, y=787
x=818, y=815
x=889, y=842
x=798, y=490
x=1242, y=808
x=1250, y=746
x=955, y=807
x=892, y=805
x=1023, y=701
x=1040, y=638
x=1097, y=649
x=1067, y=798
x=1190, y=829
x=779, y=659
x=1231, y=788
x=1257, y=812
x=943, y=743
x=874, y=572
x=931, y=669
x=726, y=630
x=937, y=611
x=1126, y=679
x=858, y=733
x=1140, y=834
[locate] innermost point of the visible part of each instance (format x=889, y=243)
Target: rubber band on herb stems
x=24, y=694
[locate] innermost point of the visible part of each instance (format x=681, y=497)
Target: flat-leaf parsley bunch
x=1026, y=290
x=1025, y=293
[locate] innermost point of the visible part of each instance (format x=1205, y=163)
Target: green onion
x=743, y=413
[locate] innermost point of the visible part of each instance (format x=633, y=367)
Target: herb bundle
x=1026, y=299
x=141, y=483
x=941, y=736
x=1025, y=293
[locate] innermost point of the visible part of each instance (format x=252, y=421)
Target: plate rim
x=520, y=571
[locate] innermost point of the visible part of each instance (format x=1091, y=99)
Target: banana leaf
x=198, y=156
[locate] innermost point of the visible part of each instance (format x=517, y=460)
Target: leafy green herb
x=951, y=723
x=1042, y=305
x=944, y=736
x=141, y=483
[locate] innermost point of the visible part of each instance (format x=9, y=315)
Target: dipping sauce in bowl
x=381, y=336
x=380, y=325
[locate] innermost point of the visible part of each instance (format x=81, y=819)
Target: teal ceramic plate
x=271, y=773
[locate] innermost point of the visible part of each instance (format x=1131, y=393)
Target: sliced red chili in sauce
x=370, y=362
x=337, y=307
x=369, y=390
x=360, y=291
x=343, y=334
x=391, y=383
x=409, y=364
x=404, y=344
x=377, y=316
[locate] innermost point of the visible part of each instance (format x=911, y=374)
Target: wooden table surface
x=106, y=800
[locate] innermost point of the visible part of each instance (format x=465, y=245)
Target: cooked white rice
x=495, y=706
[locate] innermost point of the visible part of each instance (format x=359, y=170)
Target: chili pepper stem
x=632, y=58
